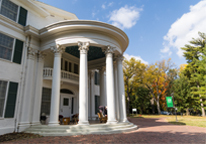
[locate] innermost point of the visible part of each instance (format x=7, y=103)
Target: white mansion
x=51, y=62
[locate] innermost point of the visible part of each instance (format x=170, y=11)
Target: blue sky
x=156, y=28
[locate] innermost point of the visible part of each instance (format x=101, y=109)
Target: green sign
x=169, y=102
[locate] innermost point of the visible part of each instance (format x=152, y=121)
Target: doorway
x=66, y=105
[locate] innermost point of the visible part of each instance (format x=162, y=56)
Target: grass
x=182, y=120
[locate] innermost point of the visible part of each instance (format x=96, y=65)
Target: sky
x=157, y=29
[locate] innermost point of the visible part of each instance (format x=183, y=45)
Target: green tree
x=196, y=71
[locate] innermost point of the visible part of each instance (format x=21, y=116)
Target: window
x=8, y=99
x=3, y=88
x=76, y=69
x=70, y=67
x=14, y=12
x=97, y=104
x=96, y=79
x=66, y=102
x=66, y=66
x=72, y=111
x=46, y=101
x=9, y=9
x=10, y=47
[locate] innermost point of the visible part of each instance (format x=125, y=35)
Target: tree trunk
x=158, y=106
x=187, y=111
x=202, y=107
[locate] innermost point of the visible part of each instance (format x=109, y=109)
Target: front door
x=65, y=105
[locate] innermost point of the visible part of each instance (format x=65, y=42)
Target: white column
x=56, y=80
x=103, y=101
x=28, y=89
x=38, y=90
x=122, y=102
x=89, y=97
x=116, y=91
x=92, y=98
x=110, y=86
x=83, y=84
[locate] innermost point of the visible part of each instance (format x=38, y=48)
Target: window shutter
x=18, y=51
x=11, y=100
x=22, y=16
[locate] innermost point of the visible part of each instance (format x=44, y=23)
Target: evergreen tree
x=196, y=71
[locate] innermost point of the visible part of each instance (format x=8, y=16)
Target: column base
x=111, y=122
x=83, y=123
x=23, y=126
x=53, y=123
x=35, y=123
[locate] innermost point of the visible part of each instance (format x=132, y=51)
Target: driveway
x=151, y=130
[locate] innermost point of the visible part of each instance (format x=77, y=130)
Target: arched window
x=66, y=91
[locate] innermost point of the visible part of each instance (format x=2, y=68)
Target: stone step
x=78, y=130
x=111, y=131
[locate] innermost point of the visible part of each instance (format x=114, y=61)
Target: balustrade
x=47, y=73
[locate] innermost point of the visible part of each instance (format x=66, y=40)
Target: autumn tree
x=157, y=80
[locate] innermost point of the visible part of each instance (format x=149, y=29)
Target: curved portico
x=94, y=45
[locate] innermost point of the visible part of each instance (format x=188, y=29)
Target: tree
x=196, y=71
x=157, y=80
x=130, y=68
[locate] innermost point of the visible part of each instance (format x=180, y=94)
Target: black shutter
x=22, y=16
x=18, y=51
x=11, y=100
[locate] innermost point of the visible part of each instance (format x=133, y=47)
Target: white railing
x=47, y=73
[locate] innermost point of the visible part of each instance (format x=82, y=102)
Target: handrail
x=48, y=73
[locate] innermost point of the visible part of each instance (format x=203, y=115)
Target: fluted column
x=56, y=79
x=122, y=102
x=102, y=88
x=38, y=89
x=116, y=91
x=83, y=84
x=110, y=86
x=28, y=88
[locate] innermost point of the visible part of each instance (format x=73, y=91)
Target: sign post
x=170, y=104
x=134, y=110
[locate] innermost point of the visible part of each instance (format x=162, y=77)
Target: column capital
x=119, y=57
x=32, y=53
x=83, y=47
x=41, y=55
x=108, y=49
x=102, y=69
x=57, y=49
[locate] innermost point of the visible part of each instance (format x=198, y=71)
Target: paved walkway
x=150, y=131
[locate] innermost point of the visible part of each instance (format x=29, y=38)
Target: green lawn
x=182, y=120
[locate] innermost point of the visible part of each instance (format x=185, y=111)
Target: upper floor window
x=76, y=69
x=96, y=79
x=10, y=48
x=14, y=12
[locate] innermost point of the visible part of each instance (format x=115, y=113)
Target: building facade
x=53, y=63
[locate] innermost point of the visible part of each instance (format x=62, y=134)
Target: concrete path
x=154, y=130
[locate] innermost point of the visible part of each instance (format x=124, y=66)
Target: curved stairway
x=66, y=130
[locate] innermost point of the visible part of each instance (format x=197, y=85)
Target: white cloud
x=185, y=28
x=103, y=6
x=93, y=14
x=125, y=17
x=128, y=57
x=110, y=4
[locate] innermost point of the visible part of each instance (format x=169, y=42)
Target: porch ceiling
x=93, y=53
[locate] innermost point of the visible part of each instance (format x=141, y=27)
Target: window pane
x=9, y=9
x=76, y=69
x=70, y=67
x=65, y=66
x=66, y=102
x=3, y=87
x=6, y=45
x=46, y=101
x=97, y=104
